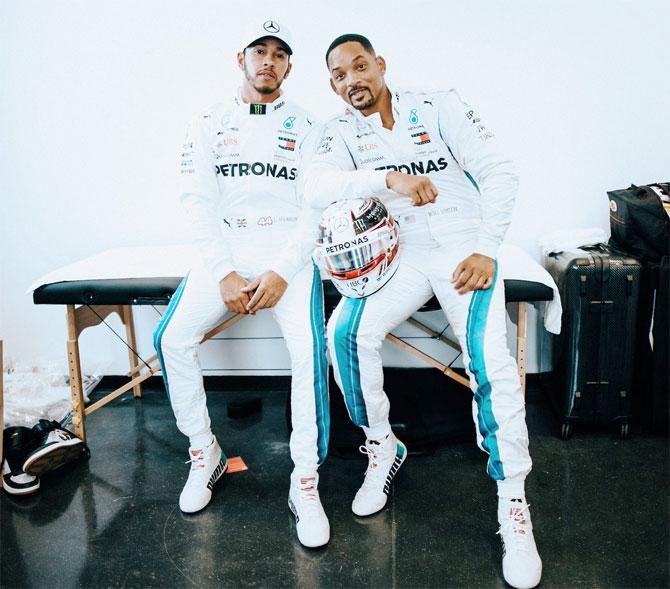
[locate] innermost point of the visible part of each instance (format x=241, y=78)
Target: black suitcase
x=651, y=392
x=660, y=387
x=640, y=227
x=593, y=355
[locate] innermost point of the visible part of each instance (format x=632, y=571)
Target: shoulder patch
x=325, y=143
x=472, y=116
x=330, y=130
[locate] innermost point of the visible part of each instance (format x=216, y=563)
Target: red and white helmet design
x=358, y=242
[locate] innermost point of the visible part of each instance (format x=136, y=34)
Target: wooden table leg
x=521, y=346
x=76, y=387
x=127, y=318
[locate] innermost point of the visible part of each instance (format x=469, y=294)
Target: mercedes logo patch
x=341, y=224
x=271, y=26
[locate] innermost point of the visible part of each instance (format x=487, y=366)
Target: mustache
x=356, y=89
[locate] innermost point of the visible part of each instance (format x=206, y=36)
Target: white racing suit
x=240, y=174
x=437, y=135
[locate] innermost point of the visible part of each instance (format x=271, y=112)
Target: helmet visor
x=356, y=261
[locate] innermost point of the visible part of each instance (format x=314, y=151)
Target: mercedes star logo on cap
x=271, y=26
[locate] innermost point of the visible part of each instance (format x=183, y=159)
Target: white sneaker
x=207, y=466
x=522, y=566
x=384, y=460
x=311, y=521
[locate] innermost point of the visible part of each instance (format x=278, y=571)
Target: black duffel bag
x=640, y=225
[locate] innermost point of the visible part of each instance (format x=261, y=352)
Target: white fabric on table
x=516, y=264
x=125, y=262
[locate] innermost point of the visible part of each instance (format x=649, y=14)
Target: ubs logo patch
x=367, y=147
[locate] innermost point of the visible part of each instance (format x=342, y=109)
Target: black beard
x=365, y=105
x=265, y=89
x=261, y=89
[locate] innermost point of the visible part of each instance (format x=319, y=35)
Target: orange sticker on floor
x=236, y=464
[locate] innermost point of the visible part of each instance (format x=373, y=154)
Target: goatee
x=367, y=104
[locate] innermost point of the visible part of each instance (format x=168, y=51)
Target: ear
x=381, y=62
x=332, y=86
x=288, y=70
x=240, y=60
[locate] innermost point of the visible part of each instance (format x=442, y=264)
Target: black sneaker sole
x=53, y=457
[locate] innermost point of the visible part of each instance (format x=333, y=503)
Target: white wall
x=94, y=98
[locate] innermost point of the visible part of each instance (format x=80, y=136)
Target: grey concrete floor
x=599, y=506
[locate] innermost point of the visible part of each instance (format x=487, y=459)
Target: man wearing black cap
x=241, y=193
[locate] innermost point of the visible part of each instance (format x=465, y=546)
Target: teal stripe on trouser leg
x=475, y=334
x=346, y=350
x=162, y=325
x=320, y=364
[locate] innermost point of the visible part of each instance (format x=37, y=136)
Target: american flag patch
x=421, y=138
x=286, y=143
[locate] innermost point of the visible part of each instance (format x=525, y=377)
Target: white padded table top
x=125, y=262
x=147, y=264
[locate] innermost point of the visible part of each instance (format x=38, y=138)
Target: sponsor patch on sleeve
x=325, y=145
x=482, y=131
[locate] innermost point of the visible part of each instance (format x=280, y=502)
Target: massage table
x=116, y=280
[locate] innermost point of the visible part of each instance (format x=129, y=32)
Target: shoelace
x=518, y=519
x=308, y=489
x=373, y=458
x=373, y=475
x=309, y=494
x=197, y=460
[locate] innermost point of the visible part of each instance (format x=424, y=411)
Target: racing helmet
x=358, y=244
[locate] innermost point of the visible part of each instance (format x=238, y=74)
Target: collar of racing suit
x=375, y=118
x=270, y=107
